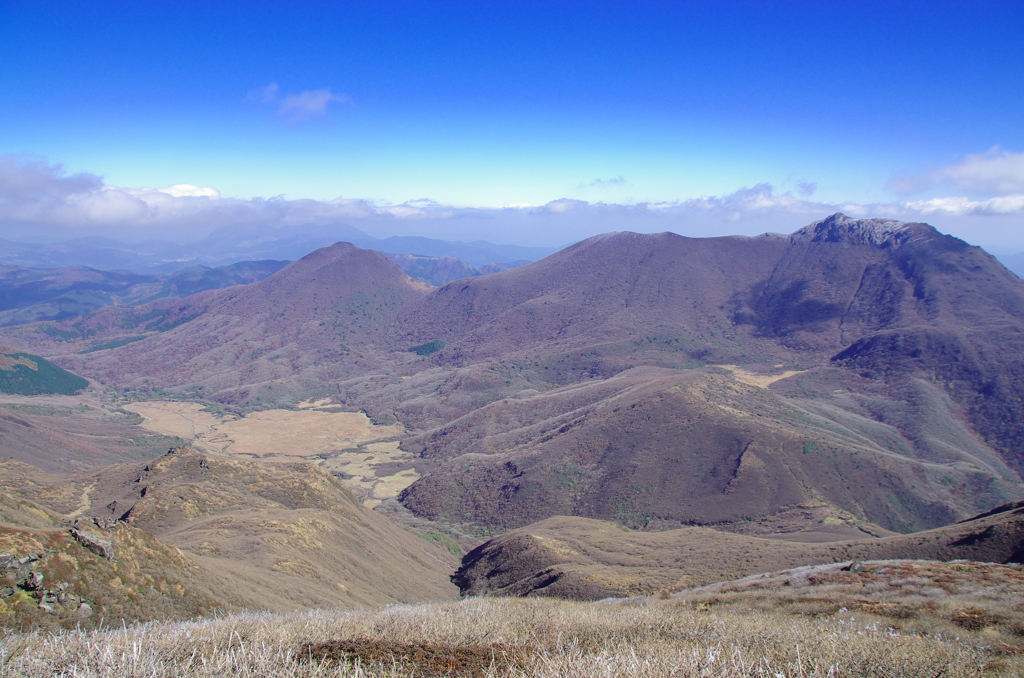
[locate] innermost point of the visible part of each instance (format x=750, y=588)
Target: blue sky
x=906, y=109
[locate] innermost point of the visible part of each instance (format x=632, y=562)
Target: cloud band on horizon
x=40, y=200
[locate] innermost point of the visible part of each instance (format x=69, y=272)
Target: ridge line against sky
x=533, y=123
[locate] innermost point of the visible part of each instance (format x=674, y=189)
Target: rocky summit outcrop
x=584, y=559
x=56, y=574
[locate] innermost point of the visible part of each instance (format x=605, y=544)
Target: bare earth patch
x=424, y=659
x=758, y=379
x=344, y=442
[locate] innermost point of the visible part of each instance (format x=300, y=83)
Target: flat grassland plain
x=887, y=618
x=364, y=454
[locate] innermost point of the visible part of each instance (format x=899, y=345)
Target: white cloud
x=301, y=107
x=39, y=201
x=305, y=105
x=604, y=183
x=561, y=206
x=806, y=188
x=266, y=95
x=32, y=180
x=960, y=205
x=190, y=191
x=996, y=172
x=760, y=198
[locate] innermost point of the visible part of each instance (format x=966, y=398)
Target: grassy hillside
x=908, y=619
x=656, y=448
x=225, y=533
x=583, y=559
x=57, y=433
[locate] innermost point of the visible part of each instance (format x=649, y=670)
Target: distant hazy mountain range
x=34, y=294
x=56, y=281
x=234, y=244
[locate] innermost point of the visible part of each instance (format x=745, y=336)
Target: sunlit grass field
x=900, y=618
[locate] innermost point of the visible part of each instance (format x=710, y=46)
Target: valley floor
x=892, y=618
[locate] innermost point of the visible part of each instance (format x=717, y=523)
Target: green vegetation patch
x=444, y=540
x=427, y=348
x=62, y=335
x=114, y=343
x=162, y=325
x=27, y=374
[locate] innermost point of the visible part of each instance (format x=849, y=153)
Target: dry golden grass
x=270, y=434
x=369, y=470
x=344, y=441
x=520, y=637
x=185, y=420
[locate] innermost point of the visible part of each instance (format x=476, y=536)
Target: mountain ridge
x=824, y=304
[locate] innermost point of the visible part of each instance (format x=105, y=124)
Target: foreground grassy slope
x=913, y=619
x=229, y=534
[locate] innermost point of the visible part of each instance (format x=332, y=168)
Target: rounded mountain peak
x=618, y=240
x=626, y=237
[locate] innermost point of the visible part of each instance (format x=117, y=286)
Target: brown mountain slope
x=605, y=289
x=656, y=447
x=57, y=433
x=603, y=305
x=278, y=537
x=911, y=341
x=959, y=315
x=770, y=297
x=587, y=559
x=302, y=324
